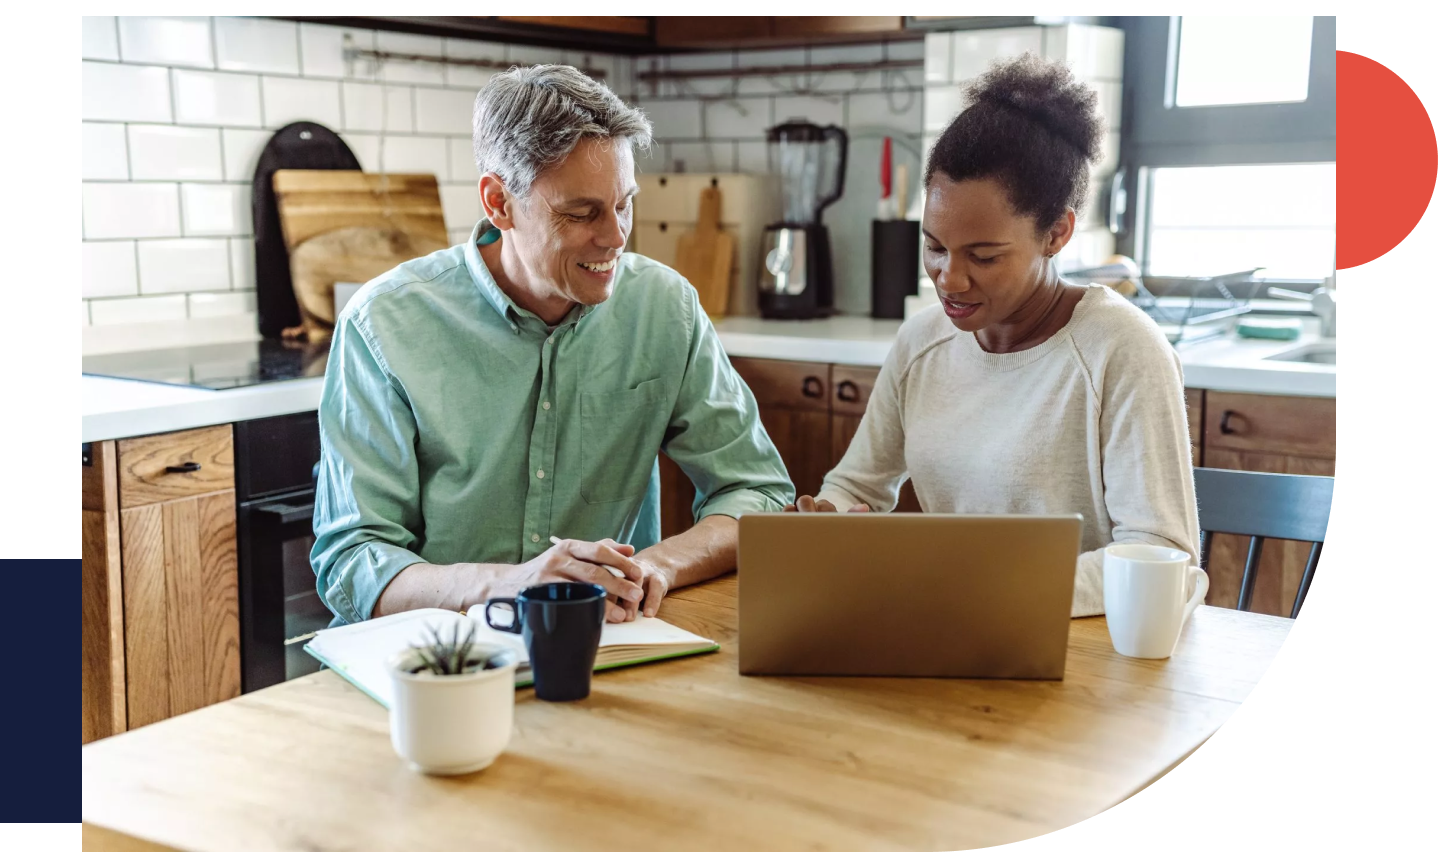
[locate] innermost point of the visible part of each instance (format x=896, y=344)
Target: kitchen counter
x=117, y=408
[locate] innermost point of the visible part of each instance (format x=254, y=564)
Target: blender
x=796, y=277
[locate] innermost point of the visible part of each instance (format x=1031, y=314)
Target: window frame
x=1157, y=134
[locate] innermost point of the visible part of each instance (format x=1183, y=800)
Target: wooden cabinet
x=161, y=612
x=811, y=412
x=750, y=31
x=1266, y=434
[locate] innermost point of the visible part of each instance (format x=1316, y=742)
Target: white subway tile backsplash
x=942, y=104
x=219, y=98
x=111, y=91
x=257, y=45
x=461, y=160
x=128, y=311
x=473, y=49
x=216, y=209
x=621, y=77
x=183, y=265
x=871, y=52
x=938, y=58
x=242, y=262
x=737, y=118
x=107, y=268
x=974, y=50
x=814, y=109
x=102, y=152
x=1110, y=102
x=528, y=55
x=322, y=52
x=410, y=72
x=207, y=304
x=417, y=155
x=907, y=49
x=130, y=210
x=752, y=157
x=365, y=148
x=174, y=153
x=375, y=107
x=655, y=161
x=169, y=40
x=702, y=156
x=99, y=39
x=673, y=118
x=777, y=57
x=461, y=205
x=242, y=152
x=899, y=110
x=443, y=111
x=287, y=100
x=1091, y=51
x=1109, y=161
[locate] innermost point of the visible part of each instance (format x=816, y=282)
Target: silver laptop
x=913, y=595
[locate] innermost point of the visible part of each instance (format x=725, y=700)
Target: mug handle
x=514, y=624
x=1200, y=590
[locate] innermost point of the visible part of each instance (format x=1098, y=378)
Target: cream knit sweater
x=1090, y=421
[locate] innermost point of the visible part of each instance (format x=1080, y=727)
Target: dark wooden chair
x=1263, y=506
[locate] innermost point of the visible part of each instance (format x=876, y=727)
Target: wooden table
x=686, y=755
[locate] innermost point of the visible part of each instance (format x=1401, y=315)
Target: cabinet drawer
x=785, y=384
x=852, y=386
x=144, y=464
x=1302, y=426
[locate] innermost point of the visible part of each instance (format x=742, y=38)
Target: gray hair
x=530, y=118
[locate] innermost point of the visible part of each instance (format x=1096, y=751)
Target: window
x=1210, y=220
x=1229, y=145
x=1241, y=61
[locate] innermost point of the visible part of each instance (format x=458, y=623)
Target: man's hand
x=807, y=503
x=656, y=583
x=573, y=560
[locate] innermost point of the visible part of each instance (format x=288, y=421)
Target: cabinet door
x=102, y=618
x=1298, y=426
x=793, y=400
x=852, y=387
x=182, y=618
x=1193, y=399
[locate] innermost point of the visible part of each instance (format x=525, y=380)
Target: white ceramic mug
x=1144, y=598
x=456, y=723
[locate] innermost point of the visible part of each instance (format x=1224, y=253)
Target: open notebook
x=358, y=652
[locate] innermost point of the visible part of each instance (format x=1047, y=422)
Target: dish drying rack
x=1205, y=315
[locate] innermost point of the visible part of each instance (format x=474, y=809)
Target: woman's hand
x=807, y=503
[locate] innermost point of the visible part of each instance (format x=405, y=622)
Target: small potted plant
x=453, y=705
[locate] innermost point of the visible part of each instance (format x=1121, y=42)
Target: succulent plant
x=453, y=655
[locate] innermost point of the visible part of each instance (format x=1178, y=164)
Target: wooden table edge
x=98, y=838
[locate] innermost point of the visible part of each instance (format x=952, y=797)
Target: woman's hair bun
x=1048, y=94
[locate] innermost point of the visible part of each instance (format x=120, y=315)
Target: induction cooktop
x=216, y=366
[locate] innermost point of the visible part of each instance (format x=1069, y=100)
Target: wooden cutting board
x=705, y=255
x=349, y=226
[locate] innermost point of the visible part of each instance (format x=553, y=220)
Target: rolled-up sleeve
x=367, y=511
x=715, y=435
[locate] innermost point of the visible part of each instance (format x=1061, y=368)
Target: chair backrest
x=1263, y=506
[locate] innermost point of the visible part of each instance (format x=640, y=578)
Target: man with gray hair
x=519, y=386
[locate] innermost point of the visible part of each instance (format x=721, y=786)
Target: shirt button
x=551, y=341
x=546, y=404
x=540, y=474
x=534, y=538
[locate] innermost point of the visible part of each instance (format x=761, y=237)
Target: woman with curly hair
x=1023, y=393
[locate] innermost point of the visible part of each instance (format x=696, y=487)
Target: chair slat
x=1250, y=572
x=1313, y=554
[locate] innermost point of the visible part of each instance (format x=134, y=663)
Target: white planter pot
x=451, y=724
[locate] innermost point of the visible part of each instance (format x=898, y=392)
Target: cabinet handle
x=848, y=392
x=186, y=467
x=813, y=387
x=1223, y=425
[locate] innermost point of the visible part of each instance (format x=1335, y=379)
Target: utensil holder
x=894, y=266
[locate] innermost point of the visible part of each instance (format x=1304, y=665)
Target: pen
x=555, y=540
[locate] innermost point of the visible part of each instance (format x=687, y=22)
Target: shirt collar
x=485, y=233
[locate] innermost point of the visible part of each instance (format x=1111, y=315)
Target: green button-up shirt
x=458, y=428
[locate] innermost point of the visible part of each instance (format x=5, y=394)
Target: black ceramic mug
x=561, y=623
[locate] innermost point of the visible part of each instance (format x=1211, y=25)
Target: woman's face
x=985, y=259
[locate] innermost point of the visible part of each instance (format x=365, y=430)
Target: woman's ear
x=496, y=201
x=1060, y=233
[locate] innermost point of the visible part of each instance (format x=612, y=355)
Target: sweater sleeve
x=1145, y=456
x=873, y=468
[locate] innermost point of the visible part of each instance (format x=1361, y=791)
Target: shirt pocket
x=620, y=433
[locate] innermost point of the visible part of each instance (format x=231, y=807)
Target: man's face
x=569, y=231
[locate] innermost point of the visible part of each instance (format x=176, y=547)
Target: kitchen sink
x=1317, y=353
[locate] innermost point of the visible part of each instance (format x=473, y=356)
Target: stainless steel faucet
x=1323, y=302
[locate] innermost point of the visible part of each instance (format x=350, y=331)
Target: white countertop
x=118, y=408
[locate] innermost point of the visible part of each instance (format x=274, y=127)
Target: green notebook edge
x=528, y=680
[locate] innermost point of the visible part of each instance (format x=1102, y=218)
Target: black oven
x=276, y=462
